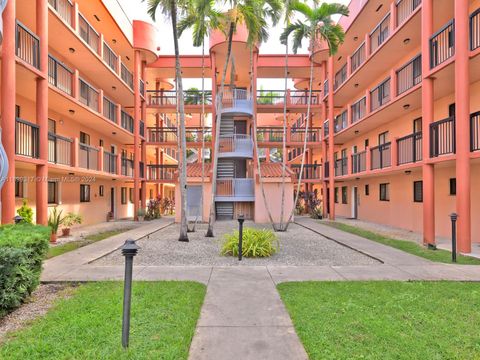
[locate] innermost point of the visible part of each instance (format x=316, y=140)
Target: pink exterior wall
x=273, y=191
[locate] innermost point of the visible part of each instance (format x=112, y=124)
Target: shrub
x=26, y=212
x=256, y=243
x=153, y=209
x=71, y=219
x=22, y=250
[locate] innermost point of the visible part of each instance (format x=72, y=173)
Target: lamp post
x=18, y=219
x=454, y=218
x=129, y=250
x=240, y=219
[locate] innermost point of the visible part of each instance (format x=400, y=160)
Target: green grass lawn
x=88, y=324
x=437, y=255
x=386, y=320
x=89, y=239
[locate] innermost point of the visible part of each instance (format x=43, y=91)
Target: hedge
x=22, y=250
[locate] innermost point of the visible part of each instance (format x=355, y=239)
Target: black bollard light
x=18, y=219
x=454, y=218
x=241, y=219
x=129, y=250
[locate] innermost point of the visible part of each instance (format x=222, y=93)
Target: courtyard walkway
x=243, y=316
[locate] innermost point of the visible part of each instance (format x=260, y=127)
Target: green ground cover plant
x=256, y=243
x=22, y=250
x=438, y=255
x=87, y=325
x=385, y=319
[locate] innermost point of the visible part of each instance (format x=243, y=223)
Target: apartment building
x=73, y=108
x=401, y=115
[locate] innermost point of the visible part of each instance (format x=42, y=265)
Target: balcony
x=236, y=101
x=293, y=97
x=126, y=121
x=27, y=45
x=110, y=109
x=234, y=189
x=475, y=131
x=169, y=135
x=405, y=8
x=126, y=76
x=381, y=156
x=358, y=58
x=409, y=149
x=59, y=75
x=380, y=34
x=442, y=137
x=326, y=88
x=127, y=167
x=169, y=98
x=409, y=75
x=325, y=128
x=442, y=45
x=341, y=167
x=359, y=110
x=380, y=95
x=340, y=77
x=26, y=139
x=359, y=162
x=270, y=134
x=110, y=58
x=59, y=149
x=88, y=95
x=88, y=157
x=88, y=34
x=235, y=146
x=64, y=9
x=161, y=172
x=341, y=121
x=475, y=30
x=313, y=135
x=110, y=162
x=310, y=171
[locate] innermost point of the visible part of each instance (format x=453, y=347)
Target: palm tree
x=202, y=17
x=170, y=8
x=316, y=24
x=252, y=14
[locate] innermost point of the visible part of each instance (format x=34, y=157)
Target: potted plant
x=141, y=214
x=69, y=220
x=54, y=221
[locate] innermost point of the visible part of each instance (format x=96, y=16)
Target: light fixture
x=61, y=122
x=71, y=174
x=406, y=41
x=339, y=58
x=71, y=111
x=408, y=172
x=72, y=50
x=114, y=133
x=114, y=41
x=379, y=7
x=357, y=132
x=114, y=88
x=355, y=38
x=356, y=85
x=357, y=178
x=127, y=57
x=96, y=17
x=406, y=106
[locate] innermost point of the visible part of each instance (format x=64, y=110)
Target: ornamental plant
x=25, y=212
x=256, y=243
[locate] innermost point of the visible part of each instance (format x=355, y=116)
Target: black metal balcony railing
x=110, y=58
x=409, y=149
x=325, y=88
x=475, y=131
x=126, y=76
x=409, y=75
x=475, y=30
x=292, y=154
x=110, y=109
x=59, y=75
x=27, y=45
x=341, y=121
x=380, y=95
x=127, y=167
x=300, y=97
x=109, y=162
x=358, y=58
x=88, y=33
x=26, y=138
x=340, y=77
x=88, y=95
x=326, y=169
x=63, y=8
x=88, y=157
x=127, y=122
x=191, y=97
x=298, y=134
x=405, y=8
x=359, y=162
x=142, y=128
x=142, y=87
x=381, y=156
x=270, y=134
x=161, y=172
x=442, y=137
x=442, y=44
x=380, y=34
x=59, y=149
x=359, y=110
x=341, y=167
x=310, y=171
x=160, y=135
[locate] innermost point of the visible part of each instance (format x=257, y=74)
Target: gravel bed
x=299, y=246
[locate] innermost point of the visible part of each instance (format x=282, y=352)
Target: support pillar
x=136, y=132
x=143, y=197
x=324, y=143
x=462, y=124
x=8, y=92
x=331, y=144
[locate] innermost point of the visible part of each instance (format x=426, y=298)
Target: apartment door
x=240, y=126
x=112, y=201
x=355, y=203
x=194, y=204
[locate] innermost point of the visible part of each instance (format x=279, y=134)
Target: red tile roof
x=274, y=170
x=195, y=170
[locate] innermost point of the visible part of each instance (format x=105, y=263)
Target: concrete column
x=462, y=124
x=427, y=119
x=76, y=84
x=100, y=101
x=331, y=144
x=393, y=16
x=8, y=91
x=41, y=198
x=214, y=99
x=100, y=158
x=75, y=16
x=136, y=132
x=393, y=84
x=394, y=152
x=75, y=148
x=367, y=45
x=100, y=46
x=324, y=141
x=143, y=197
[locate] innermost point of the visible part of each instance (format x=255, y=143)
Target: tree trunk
x=202, y=120
x=218, y=106
x=183, y=142
x=309, y=106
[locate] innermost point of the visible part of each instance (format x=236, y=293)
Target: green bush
x=26, y=212
x=22, y=250
x=256, y=243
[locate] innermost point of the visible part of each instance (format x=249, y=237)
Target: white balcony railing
x=235, y=189
x=237, y=101
x=236, y=145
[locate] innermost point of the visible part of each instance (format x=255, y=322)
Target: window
x=130, y=195
x=101, y=190
x=52, y=126
x=344, y=153
x=336, y=195
x=366, y=142
x=100, y=142
x=383, y=138
x=84, y=138
x=367, y=190
x=17, y=111
x=124, y=195
x=453, y=186
x=417, y=125
x=151, y=193
x=451, y=110
x=344, y=194
x=354, y=149
x=84, y=193
x=19, y=183
x=384, y=192
x=52, y=192
x=418, y=191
